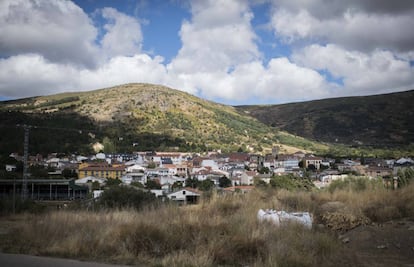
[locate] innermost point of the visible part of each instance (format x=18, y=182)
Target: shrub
x=126, y=197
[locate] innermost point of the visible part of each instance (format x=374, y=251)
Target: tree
x=68, y=173
x=126, y=197
x=192, y=182
x=151, y=165
x=95, y=185
x=206, y=185
x=38, y=171
x=109, y=146
x=177, y=185
x=264, y=170
x=224, y=182
x=152, y=184
x=113, y=182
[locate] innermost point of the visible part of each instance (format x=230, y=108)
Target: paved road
x=17, y=260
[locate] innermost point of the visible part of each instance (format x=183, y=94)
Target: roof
x=103, y=168
x=312, y=158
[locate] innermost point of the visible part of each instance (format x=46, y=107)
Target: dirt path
x=17, y=260
x=388, y=244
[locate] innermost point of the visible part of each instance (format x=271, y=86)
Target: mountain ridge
x=377, y=120
x=160, y=118
x=156, y=117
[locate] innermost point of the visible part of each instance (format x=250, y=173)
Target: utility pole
x=25, y=161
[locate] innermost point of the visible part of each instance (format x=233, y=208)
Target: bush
x=357, y=184
x=290, y=182
x=126, y=197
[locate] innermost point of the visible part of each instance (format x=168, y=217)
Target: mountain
x=135, y=117
x=385, y=121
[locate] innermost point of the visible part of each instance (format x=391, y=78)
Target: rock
x=345, y=240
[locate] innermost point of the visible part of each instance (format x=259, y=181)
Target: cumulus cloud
x=123, y=34
x=38, y=76
x=58, y=30
x=220, y=59
x=53, y=46
x=376, y=72
x=218, y=37
x=358, y=25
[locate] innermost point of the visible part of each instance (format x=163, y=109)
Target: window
x=183, y=192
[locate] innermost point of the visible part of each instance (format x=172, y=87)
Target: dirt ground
x=387, y=244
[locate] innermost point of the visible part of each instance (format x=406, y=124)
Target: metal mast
x=25, y=161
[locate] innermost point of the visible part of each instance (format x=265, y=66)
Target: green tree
x=113, y=182
x=224, y=182
x=206, y=185
x=126, y=197
x=264, y=170
x=151, y=165
x=152, y=184
x=192, y=182
x=177, y=185
x=68, y=173
x=109, y=146
x=38, y=171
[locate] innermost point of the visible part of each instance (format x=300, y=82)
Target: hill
x=150, y=117
x=383, y=121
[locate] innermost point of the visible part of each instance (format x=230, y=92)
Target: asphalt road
x=17, y=260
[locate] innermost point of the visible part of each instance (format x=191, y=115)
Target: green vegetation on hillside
x=135, y=117
x=371, y=124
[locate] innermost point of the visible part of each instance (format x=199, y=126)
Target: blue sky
x=228, y=51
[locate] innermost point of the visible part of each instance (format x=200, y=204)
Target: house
x=102, y=170
x=90, y=179
x=167, y=181
x=299, y=154
x=134, y=173
x=312, y=161
x=375, y=172
x=247, y=177
x=288, y=162
x=186, y=195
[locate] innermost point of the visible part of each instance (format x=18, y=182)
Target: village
x=182, y=177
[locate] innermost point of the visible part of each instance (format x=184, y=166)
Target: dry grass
x=220, y=231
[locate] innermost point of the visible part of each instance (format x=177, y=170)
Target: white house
x=247, y=177
x=185, y=195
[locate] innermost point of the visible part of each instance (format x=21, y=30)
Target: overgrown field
x=222, y=230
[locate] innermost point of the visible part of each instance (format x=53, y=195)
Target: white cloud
x=220, y=59
x=58, y=30
x=123, y=36
x=37, y=76
x=121, y=69
x=51, y=46
x=376, y=72
x=31, y=74
x=362, y=25
x=219, y=37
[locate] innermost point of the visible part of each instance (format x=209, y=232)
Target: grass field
x=220, y=231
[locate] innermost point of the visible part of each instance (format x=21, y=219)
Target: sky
x=228, y=51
